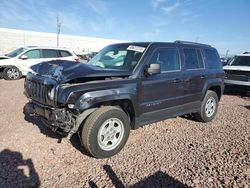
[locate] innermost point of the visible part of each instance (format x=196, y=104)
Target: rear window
x=64, y=53
x=49, y=53
x=212, y=59
x=193, y=59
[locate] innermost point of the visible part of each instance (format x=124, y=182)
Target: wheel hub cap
x=12, y=73
x=110, y=134
x=210, y=106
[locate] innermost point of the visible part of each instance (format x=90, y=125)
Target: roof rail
x=187, y=42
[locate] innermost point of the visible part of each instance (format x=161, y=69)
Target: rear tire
x=208, y=108
x=105, y=132
x=11, y=73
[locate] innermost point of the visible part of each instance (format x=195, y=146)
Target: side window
x=33, y=54
x=212, y=59
x=193, y=59
x=64, y=53
x=168, y=58
x=49, y=53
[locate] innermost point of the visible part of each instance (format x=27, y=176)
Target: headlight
x=51, y=93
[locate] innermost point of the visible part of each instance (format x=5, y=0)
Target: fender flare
x=79, y=120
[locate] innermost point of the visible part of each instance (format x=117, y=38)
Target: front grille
x=237, y=75
x=38, y=91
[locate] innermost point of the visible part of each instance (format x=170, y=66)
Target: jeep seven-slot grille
x=237, y=75
x=38, y=92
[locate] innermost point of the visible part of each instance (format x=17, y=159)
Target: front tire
x=11, y=73
x=209, y=107
x=105, y=132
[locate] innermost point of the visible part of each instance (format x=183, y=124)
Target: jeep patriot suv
x=124, y=87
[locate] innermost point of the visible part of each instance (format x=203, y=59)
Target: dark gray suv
x=124, y=87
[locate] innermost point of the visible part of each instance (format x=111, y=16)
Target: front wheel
x=105, y=131
x=11, y=73
x=208, y=107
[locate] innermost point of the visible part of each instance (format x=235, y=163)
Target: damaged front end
x=51, y=88
x=59, y=120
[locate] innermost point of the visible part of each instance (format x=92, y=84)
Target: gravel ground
x=177, y=152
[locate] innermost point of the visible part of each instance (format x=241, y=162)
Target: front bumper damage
x=60, y=120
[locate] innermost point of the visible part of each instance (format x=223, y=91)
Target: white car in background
x=20, y=60
x=237, y=71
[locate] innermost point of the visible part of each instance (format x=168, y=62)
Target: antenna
x=58, y=25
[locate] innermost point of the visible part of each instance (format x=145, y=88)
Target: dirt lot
x=178, y=152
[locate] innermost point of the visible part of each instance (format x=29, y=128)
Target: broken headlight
x=51, y=93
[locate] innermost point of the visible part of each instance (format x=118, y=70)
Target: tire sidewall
x=6, y=76
x=203, y=108
x=94, y=147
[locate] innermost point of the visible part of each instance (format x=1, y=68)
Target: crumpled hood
x=64, y=71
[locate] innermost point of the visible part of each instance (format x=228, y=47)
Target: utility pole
x=227, y=54
x=58, y=25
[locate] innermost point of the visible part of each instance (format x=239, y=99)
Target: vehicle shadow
x=158, y=179
x=247, y=107
x=41, y=125
x=17, y=172
x=75, y=140
x=189, y=117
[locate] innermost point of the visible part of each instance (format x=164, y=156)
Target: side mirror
x=23, y=57
x=154, y=69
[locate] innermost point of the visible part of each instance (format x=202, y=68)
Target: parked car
x=22, y=59
x=223, y=60
x=3, y=57
x=237, y=72
x=102, y=101
x=86, y=57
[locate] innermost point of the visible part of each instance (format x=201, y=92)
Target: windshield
x=240, y=61
x=15, y=52
x=119, y=56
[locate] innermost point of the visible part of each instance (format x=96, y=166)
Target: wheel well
x=217, y=90
x=126, y=105
x=1, y=71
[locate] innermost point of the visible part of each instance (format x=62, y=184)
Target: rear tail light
x=77, y=59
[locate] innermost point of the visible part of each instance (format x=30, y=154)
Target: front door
x=162, y=93
x=33, y=57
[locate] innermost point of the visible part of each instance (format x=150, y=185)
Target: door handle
x=203, y=76
x=176, y=81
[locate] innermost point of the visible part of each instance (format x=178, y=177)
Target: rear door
x=67, y=55
x=194, y=76
x=49, y=54
x=163, y=91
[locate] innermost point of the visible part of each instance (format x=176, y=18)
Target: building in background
x=11, y=39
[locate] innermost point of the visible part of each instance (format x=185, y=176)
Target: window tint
x=49, y=53
x=193, y=59
x=33, y=54
x=65, y=53
x=240, y=61
x=168, y=58
x=212, y=59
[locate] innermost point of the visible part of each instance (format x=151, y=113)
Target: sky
x=224, y=24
